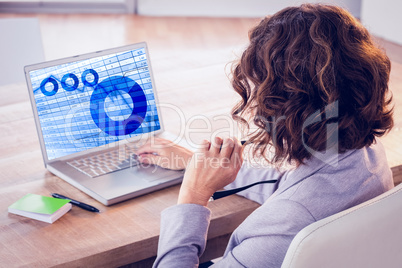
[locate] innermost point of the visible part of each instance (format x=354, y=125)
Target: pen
x=77, y=203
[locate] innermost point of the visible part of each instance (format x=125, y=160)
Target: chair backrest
x=368, y=235
x=21, y=44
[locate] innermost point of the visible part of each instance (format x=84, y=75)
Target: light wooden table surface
x=127, y=232
x=189, y=58
x=120, y=234
x=192, y=86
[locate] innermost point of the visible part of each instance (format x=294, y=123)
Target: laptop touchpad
x=152, y=173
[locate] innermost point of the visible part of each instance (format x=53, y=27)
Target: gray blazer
x=325, y=185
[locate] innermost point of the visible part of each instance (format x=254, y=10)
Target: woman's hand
x=164, y=153
x=210, y=169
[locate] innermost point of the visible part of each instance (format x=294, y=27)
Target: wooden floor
x=202, y=49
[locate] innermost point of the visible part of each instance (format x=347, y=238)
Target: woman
x=316, y=87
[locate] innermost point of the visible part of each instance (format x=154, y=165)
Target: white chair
x=21, y=44
x=368, y=235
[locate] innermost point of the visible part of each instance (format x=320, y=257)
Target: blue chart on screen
x=69, y=87
x=93, y=102
x=99, y=115
x=55, y=86
x=84, y=78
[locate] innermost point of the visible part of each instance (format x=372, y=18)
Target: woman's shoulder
x=326, y=189
x=362, y=169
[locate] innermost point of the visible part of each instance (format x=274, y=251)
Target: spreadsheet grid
x=90, y=103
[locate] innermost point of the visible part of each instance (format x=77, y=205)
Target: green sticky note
x=39, y=204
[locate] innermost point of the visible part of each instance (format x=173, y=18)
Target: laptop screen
x=93, y=102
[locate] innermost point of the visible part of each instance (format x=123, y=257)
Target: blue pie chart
x=97, y=105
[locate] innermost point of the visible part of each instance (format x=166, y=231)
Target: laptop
x=91, y=112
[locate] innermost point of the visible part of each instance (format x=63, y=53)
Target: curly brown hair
x=300, y=62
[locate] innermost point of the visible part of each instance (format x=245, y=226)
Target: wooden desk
x=191, y=83
x=189, y=56
x=121, y=234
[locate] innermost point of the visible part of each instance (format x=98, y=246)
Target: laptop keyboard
x=103, y=163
